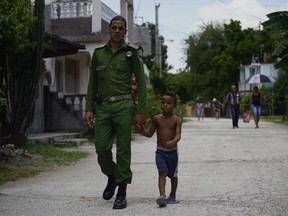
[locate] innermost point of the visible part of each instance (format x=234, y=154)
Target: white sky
x=179, y=18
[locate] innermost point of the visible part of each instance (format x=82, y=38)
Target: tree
x=158, y=83
x=22, y=39
x=150, y=60
x=216, y=52
x=278, y=25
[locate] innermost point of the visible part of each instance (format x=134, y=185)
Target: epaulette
x=134, y=46
x=100, y=47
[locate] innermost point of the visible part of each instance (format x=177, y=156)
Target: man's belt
x=118, y=97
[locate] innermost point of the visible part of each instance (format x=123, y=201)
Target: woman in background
x=255, y=105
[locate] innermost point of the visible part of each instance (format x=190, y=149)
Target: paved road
x=222, y=171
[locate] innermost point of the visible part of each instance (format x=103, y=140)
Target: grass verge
x=55, y=155
x=44, y=157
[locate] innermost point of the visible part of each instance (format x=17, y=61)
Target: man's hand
x=139, y=122
x=89, y=119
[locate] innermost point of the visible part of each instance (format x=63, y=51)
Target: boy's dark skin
x=168, y=129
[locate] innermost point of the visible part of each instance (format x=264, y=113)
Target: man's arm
x=91, y=93
x=138, y=69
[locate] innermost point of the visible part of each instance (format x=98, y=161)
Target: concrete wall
x=60, y=116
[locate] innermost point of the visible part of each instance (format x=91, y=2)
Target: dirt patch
x=20, y=158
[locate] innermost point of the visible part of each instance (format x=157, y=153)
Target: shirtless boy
x=168, y=129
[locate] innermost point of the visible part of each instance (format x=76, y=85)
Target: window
x=71, y=76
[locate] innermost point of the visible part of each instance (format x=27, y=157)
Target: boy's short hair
x=171, y=94
x=120, y=18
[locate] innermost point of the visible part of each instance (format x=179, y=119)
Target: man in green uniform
x=110, y=95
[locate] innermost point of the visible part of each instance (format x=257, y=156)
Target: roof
x=55, y=45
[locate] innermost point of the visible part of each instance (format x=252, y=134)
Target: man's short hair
x=120, y=18
x=171, y=94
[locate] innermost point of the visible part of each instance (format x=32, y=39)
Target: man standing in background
x=234, y=98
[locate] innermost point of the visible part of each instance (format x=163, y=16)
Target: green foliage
x=154, y=106
x=15, y=22
x=22, y=41
x=215, y=53
x=246, y=103
x=150, y=60
x=48, y=157
x=13, y=173
x=278, y=26
x=158, y=82
x=181, y=84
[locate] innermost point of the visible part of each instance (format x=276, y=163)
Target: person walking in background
x=217, y=108
x=168, y=129
x=109, y=93
x=255, y=105
x=234, y=98
x=200, y=109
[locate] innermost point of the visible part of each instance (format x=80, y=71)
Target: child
x=200, y=109
x=217, y=108
x=168, y=129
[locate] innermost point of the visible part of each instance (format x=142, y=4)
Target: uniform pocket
x=101, y=71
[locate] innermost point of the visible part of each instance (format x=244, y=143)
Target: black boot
x=121, y=202
x=110, y=188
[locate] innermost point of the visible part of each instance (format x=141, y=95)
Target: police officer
x=109, y=93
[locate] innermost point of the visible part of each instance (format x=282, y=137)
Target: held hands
x=89, y=119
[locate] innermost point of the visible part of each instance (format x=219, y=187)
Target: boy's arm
x=171, y=144
x=149, y=133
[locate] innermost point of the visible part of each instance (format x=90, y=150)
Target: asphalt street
x=222, y=171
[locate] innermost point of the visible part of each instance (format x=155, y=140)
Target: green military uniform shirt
x=111, y=73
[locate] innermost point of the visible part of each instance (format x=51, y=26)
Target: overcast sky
x=179, y=18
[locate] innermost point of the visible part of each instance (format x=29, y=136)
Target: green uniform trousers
x=114, y=120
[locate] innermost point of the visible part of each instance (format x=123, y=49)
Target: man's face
x=233, y=88
x=117, y=31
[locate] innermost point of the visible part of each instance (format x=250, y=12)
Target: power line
x=138, y=8
x=223, y=2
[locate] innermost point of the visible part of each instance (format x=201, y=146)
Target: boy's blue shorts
x=167, y=162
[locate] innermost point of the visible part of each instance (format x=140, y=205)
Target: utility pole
x=157, y=42
x=127, y=11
